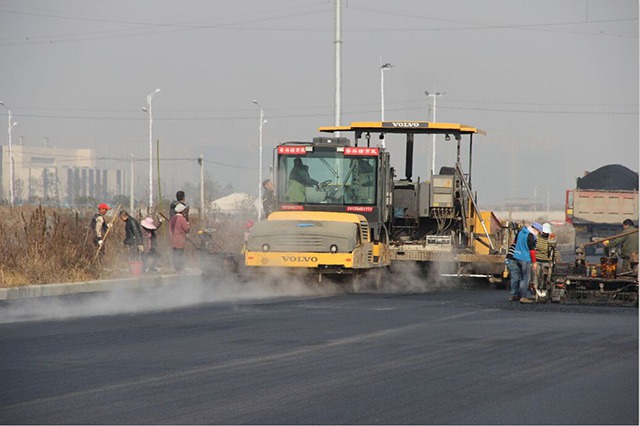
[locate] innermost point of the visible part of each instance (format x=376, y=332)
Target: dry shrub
x=48, y=246
x=54, y=245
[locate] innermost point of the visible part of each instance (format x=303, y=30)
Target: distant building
x=54, y=175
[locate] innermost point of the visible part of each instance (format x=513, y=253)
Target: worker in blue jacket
x=525, y=256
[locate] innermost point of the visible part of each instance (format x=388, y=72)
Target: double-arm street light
x=434, y=95
x=149, y=111
x=262, y=122
x=10, y=126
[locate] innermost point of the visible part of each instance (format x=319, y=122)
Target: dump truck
x=601, y=201
x=323, y=184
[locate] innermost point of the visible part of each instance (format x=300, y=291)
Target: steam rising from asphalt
x=411, y=277
x=192, y=290
x=182, y=292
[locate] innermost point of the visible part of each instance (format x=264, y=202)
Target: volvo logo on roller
x=404, y=124
x=299, y=258
x=407, y=124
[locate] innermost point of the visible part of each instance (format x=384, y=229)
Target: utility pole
x=201, y=162
x=149, y=111
x=11, y=165
x=158, y=173
x=434, y=95
x=383, y=67
x=262, y=122
x=338, y=65
x=131, y=204
x=11, y=124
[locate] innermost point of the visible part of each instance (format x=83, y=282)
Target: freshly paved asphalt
x=462, y=356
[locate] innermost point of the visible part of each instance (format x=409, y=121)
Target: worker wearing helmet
x=99, y=225
x=627, y=244
x=541, y=269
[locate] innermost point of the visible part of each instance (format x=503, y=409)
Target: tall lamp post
x=338, y=65
x=10, y=126
x=434, y=95
x=201, y=164
x=383, y=67
x=262, y=121
x=149, y=111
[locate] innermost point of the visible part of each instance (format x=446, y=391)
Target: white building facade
x=57, y=176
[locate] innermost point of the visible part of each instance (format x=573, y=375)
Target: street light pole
x=201, y=163
x=383, y=67
x=131, y=200
x=10, y=126
x=149, y=111
x=338, y=65
x=434, y=95
x=262, y=121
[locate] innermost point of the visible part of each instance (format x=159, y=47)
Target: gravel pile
x=610, y=177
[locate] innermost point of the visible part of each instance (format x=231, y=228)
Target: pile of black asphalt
x=610, y=177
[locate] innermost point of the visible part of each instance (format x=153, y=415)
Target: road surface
x=457, y=356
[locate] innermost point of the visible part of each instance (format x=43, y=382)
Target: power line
x=152, y=30
x=62, y=159
x=520, y=111
x=491, y=26
x=187, y=24
x=312, y=107
x=325, y=114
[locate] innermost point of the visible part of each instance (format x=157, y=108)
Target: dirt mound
x=610, y=177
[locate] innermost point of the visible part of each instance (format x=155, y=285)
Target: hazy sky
x=554, y=83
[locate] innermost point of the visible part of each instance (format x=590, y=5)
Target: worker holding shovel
x=99, y=225
x=100, y=228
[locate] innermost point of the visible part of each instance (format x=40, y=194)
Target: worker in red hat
x=99, y=225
